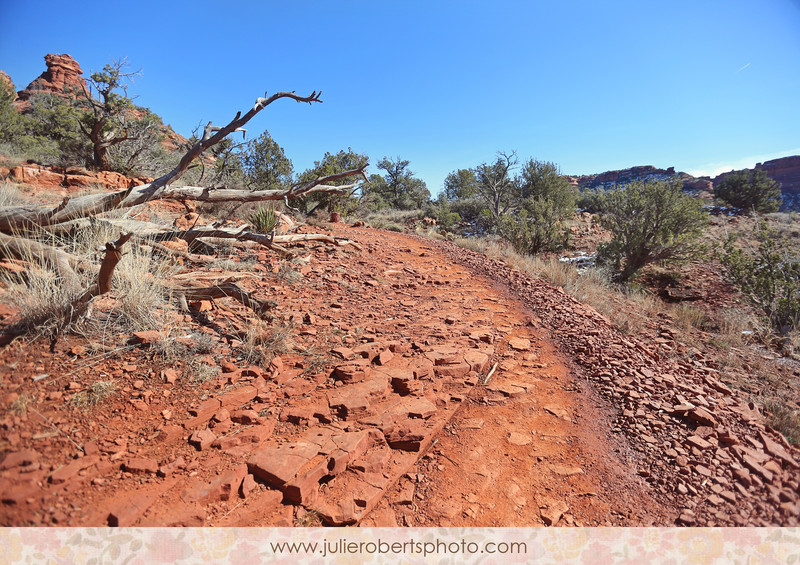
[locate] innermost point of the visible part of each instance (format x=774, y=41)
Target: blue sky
x=704, y=86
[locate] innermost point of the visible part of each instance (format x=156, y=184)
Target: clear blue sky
x=704, y=86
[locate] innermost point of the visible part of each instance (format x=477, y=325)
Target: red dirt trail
x=381, y=413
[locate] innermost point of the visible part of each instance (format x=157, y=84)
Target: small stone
x=519, y=344
x=516, y=438
x=202, y=439
x=139, y=465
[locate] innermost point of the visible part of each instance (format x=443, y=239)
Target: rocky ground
x=413, y=383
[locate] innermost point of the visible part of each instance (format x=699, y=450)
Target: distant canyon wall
x=785, y=171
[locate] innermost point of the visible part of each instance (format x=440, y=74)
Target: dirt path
x=378, y=413
x=529, y=447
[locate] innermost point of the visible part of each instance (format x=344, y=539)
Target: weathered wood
x=225, y=290
x=113, y=253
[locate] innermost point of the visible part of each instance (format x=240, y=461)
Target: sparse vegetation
x=264, y=342
x=768, y=276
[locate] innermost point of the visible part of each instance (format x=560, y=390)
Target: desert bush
x=750, y=190
x=768, y=276
x=537, y=227
x=649, y=221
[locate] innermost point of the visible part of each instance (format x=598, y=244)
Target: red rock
x=248, y=486
x=126, y=509
x=168, y=469
x=415, y=408
x=224, y=487
x=303, y=488
x=340, y=514
x=385, y=357
x=18, y=492
x=703, y=470
x=477, y=360
x=702, y=416
x=351, y=403
x=773, y=467
x=407, y=437
x=687, y=517
x=169, y=376
x=343, y=352
x=257, y=434
x=776, y=450
x=19, y=459
x=421, y=367
x=238, y=397
x=140, y=465
x=148, y=337
x=63, y=72
x=552, y=510
x=457, y=370
x=228, y=367
x=206, y=410
x=352, y=372
x=743, y=477
x=698, y=442
x=751, y=464
x=202, y=439
x=519, y=344
x=373, y=462
x=445, y=355
x=278, y=465
x=226, y=442
x=246, y=417
x=71, y=470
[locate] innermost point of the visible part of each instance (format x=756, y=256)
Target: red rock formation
x=785, y=170
x=63, y=72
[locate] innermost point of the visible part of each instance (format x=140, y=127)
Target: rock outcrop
x=608, y=179
x=785, y=170
x=63, y=73
x=7, y=83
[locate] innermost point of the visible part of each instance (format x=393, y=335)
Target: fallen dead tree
x=29, y=232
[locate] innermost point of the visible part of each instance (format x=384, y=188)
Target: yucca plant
x=263, y=219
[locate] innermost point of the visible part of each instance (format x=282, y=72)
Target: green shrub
x=768, y=276
x=535, y=228
x=649, y=221
x=750, y=190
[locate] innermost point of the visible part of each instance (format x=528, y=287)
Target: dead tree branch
x=113, y=253
x=225, y=290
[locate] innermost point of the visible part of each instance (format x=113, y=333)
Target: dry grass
x=202, y=372
x=783, y=418
x=11, y=195
x=97, y=393
x=264, y=342
x=47, y=304
x=20, y=404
